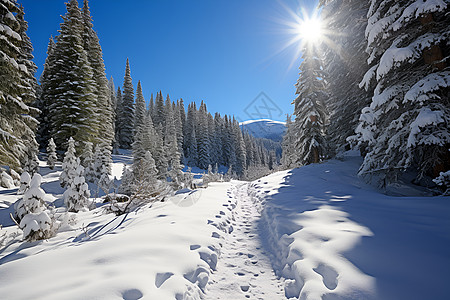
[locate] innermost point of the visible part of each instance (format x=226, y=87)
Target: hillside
x=265, y=128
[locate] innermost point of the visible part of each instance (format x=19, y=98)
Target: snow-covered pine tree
x=25, y=180
x=159, y=113
x=126, y=185
x=52, y=158
x=104, y=182
x=77, y=194
x=146, y=174
x=171, y=148
x=45, y=96
x=218, y=138
x=140, y=111
x=29, y=82
x=287, y=159
x=160, y=154
x=32, y=213
x=228, y=141
x=241, y=160
x=72, y=92
x=30, y=163
x=344, y=62
x=104, y=107
x=127, y=111
x=182, y=112
x=119, y=118
x=178, y=127
x=17, y=89
x=69, y=165
x=190, y=139
x=87, y=161
x=102, y=158
x=151, y=106
x=310, y=110
x=203, y=141
x=406, y=124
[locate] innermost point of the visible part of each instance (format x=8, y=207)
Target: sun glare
x=310, y=30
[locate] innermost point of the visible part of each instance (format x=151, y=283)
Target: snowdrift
x=333, y=237
x=162, y=251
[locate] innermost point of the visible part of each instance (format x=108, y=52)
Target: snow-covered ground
x=333, y=237
x=316, y=232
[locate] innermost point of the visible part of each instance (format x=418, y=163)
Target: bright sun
x=310, y=30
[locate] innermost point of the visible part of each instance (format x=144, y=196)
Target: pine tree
x=51, y=154
x=127, y=114
x=104, y=182
x=25, y=180
x=87, y=161
x=344, y=62
x=77, y=194
x=17, y=87
x=119, y=118
x=406, y=124
x=288, y=158
x=146, y=174
x=73, y=100
x=203, y=142
x=240, y=149
x=45, y=96
x=69, y=165
x=228, y=141
x=30, y=163
x=171, y=146
x=127, y=180
x=32, y=212
x=160, y=155
x=310, y=110
x=139, y=116
x=159, y=113
x=190, y=140
x=104, y=106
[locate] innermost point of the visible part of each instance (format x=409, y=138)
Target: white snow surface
x=333, y=237
x=316, y=232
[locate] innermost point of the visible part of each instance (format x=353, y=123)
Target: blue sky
x=225, y=52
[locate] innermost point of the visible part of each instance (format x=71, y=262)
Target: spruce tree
x=406, y=124
x=51, y=154
x=288, y=157
x=159, y=113
x=73, y=100
x=17, y=88
x=118, y=121
x=139, y=116
x=310, y=110
x=345, y=64
x=33, y=214
x=241, y=160
x=203, y=142
x=69, y=165
x=127, y=111
x=45, y=96
x=77, y=194
x=104, y=106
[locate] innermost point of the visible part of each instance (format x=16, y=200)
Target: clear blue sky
x=225, y=52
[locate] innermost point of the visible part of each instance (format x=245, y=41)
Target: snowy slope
x=333, y=237
x=265, y=128
x=316, y=232
x=164, y=251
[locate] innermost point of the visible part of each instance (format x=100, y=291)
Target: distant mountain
x=265, y=128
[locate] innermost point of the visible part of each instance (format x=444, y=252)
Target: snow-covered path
x=244, y=270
